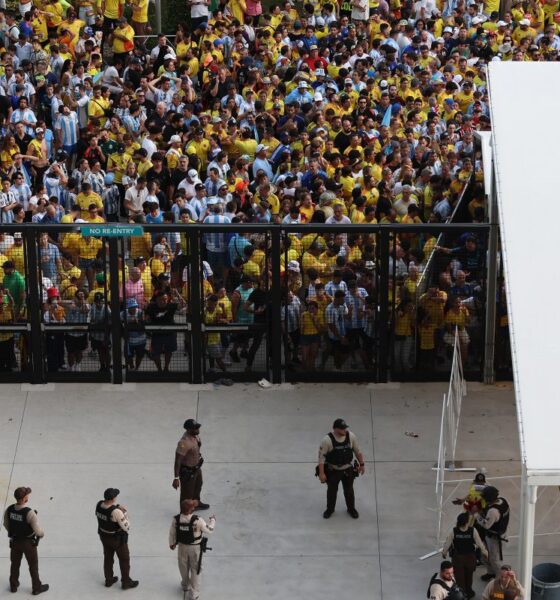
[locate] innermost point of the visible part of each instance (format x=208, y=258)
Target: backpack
x=454, y=591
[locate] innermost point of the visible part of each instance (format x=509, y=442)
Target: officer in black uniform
x=24, y=532
x=113, y=528
x=494, y=521
x=336, y=454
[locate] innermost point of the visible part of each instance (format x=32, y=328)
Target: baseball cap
x=131, y=303
x=302, y=84
x=192, y=173
x=320, y=72
x=191, y=424
x=17, y=235
x=340, y=424
x=111, y=493
x=159, y=248
x=39, y=130
x=175, y=139
x=318, y=97
x=21, y=492
x=293, y=265
x=261, y=147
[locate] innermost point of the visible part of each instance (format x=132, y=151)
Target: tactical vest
x=501, y=525
x=18, y=527
x=342, y=452
x=104, y=522
x=463, y=541
x=185, y=531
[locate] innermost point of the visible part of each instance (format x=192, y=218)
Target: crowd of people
x=359, y=112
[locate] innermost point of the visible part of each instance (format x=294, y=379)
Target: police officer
x=461, y=543
x=113, y=528
x=336, y=453
x=493, y=520
x=186, y=532
x=188, y=463
x=24, y=533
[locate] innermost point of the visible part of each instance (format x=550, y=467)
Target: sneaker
x=202, y=506
x=130, y=584
x=327, y=514
x=488, y=577
x=353, y=513
x=44, y=588
x=110, y=582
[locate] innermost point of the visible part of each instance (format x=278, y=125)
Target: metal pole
x=116, y=330
x=158, y=15
x=195, y=306
x=528, y=533
x=383, y=330
x=522, y=505
x=34, y=300
x=491, y=287
x=274, y=341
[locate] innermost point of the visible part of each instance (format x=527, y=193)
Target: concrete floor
x=70, y=442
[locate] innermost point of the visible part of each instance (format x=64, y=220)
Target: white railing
x=449, y=429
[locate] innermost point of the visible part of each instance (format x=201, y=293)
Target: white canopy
x=525, y=136
x=525, y=98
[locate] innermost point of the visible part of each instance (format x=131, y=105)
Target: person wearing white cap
x=261, y=162
x=188, y=184
x=300, y=95
x=175, y=151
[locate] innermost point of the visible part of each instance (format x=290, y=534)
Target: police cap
x=191, y=424
x=490, y=493
x=111, y=493
x=340, y=424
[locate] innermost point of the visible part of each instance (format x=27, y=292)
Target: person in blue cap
x=135, y=335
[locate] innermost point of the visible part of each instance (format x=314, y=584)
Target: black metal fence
x=195, y=303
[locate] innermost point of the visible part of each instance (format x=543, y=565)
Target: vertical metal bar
x=195, y=305
x=158, y=15
x=274, y=340
x=116, y=330
x=491, y=296
x=34, y=302
x=383, y=342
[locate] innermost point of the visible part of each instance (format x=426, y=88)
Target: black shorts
x=163, y=343
x=356, y=338
x=75, y=343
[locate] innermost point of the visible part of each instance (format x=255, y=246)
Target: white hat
x=458, y=78
x=505, y=48
x=293, y=265
x=168, y=56
x=175, y=139
x=261, y=147
x=383, y=84
x=524, y=22
x=302, y=84
x=447, y=30
x=192, y=173
x=348, y=80
x=320, y=22
x=320, y=72
x=159, y=248
x=212, y=201
x=318, y=97
x=476, y=21
x=80, y=221
x=501, y=24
